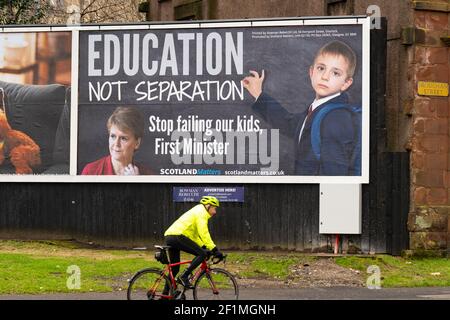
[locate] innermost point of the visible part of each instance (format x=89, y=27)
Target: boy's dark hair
x=342, y=49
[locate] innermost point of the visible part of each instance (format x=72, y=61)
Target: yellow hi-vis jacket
x=193, y=224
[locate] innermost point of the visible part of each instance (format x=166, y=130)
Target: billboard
x=279, y=101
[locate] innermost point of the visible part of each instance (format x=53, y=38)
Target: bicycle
x=209, y=283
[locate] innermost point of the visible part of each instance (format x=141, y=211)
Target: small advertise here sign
x=194, y=194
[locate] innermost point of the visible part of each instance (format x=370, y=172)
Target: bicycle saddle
x=162, y=247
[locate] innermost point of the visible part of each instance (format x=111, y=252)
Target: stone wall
x=169, y=10
x=430, y=163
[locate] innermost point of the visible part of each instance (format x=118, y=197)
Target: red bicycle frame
x=203, y=267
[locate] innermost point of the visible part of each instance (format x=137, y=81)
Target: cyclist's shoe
x=178, y=295
x=184, y=281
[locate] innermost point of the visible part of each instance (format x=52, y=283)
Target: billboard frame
x=364, y=21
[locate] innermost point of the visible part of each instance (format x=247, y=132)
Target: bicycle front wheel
x=149, y=284
x=216, y=284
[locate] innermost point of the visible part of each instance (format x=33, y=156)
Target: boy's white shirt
x=316, y=103
x=319, y=102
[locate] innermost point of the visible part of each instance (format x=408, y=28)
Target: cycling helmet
x=210, y=200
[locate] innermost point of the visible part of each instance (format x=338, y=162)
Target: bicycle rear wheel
x=216, y=284
x=149, y=284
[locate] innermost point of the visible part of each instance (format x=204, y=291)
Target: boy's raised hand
x=253, y=83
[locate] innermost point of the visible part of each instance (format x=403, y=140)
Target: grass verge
x=42, y=267
x=403, y=272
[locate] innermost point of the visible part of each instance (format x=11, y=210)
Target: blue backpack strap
x=316, y=125
x=356, y=156
x=356, y=111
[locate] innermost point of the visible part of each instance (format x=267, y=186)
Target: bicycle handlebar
x=216, y=260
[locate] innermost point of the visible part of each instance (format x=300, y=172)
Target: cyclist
x=190, y=233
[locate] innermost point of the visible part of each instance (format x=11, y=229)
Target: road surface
x=332, y=293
